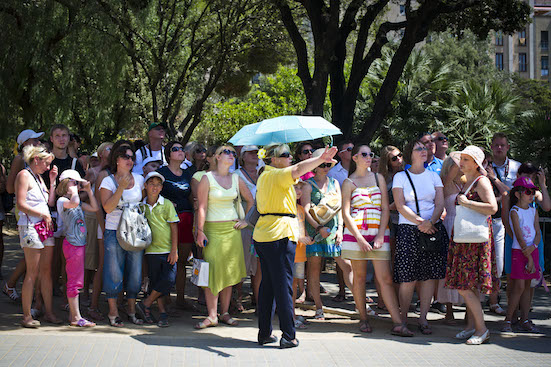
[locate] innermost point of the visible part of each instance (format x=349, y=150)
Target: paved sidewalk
x=333, y=342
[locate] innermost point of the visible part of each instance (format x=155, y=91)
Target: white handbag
x=200, y=273
x=470, y=226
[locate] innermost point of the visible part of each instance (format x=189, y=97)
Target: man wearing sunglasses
x=441, y=142
x=155, y=135
x=433, y=164
x=340, y=171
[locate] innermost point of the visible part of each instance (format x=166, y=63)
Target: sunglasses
x=395, y=158
x=200, y=150
x=529, y=191
x=365, y=154
x=229, y=152
x=325, y=165
x=349, y=149
x=420, y=149
x=306, y=151
x=177, y=149
x=286, y=155
x=128, y=156
x=442, y=138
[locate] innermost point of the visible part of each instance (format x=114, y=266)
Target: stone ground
x=333, y=342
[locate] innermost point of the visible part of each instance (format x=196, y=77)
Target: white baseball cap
x=151, y=159
x=72, y=174
x=26, y=135
x=154, y=174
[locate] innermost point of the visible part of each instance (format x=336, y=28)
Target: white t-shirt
x=133, y=195
x=157, y=154
x=425, y=185
x=526, y=224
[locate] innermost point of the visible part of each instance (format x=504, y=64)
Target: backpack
x=133, y=232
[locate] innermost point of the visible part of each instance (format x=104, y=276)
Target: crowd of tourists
x=448, y=227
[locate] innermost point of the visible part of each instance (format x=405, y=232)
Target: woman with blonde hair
x=36, y=229
x=275, y=236
x=219, y=233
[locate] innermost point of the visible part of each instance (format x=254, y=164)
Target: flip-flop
x=33, y=324
x=83, y=323
x=365, y=327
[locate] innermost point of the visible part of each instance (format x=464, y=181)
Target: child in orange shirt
x=300, y=254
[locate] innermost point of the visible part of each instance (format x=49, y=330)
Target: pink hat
x=525, y=182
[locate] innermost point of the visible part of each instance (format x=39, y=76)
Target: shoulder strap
x=377, y=179
x=313, y=183
x=74, y=164
x=472, y=184
x=414, y=192
x=144, y=153
x=353, y=183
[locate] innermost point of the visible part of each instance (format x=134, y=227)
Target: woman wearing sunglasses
x=275, y=237
x=419, y=197
x=120, y=266
x=327, y=237
x=366, y=236
x=472, y=267
x=391, y=163
x=303, y=151
x=177, y=189
x=219, y=233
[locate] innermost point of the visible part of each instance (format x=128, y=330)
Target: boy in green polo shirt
x=162, y=254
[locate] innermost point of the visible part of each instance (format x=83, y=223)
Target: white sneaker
x=465, y=334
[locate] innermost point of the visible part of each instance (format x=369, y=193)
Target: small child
x=162, y=254
x=300, y=254
x=151, y=164
x=70, y=208
x=525, y=256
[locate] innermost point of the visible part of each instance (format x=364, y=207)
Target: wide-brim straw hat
x=474, y=152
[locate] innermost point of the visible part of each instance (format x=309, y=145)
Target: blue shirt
x=435, y=165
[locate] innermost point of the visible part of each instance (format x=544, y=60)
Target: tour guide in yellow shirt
x=275, y=236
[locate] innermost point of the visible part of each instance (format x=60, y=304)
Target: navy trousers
x=277, y=260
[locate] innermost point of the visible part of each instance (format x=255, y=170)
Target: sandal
x=507, y=328
x=145, y=313
x=33, y=324
x=528, y=327
x=339, y=298
x=401, y=330
x=239, y=306
x=207, y=322
x=371, y=312
x=319, y=314
x=299, y=324
x=116, y=321
x=136, y=321
x=10, y=292
x=365, y=327
x=83, y=323
x=368, y=299
x=496, y=308
x=425, y=329
x=225, y=318
x=53, y=320
x=95, y=314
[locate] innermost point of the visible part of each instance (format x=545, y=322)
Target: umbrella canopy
x=285, y=129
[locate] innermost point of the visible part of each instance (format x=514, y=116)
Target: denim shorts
x=161, y=274
x=121, y=269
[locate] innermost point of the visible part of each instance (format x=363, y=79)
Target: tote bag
x=470, y=226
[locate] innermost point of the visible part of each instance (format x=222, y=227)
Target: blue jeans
x=120, y=268
x=276, y=263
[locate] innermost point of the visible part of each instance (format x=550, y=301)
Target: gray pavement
x=333, y=342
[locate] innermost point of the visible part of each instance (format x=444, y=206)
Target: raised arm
x=308, y=165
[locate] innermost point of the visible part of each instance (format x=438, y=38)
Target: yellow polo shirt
x=276, y=194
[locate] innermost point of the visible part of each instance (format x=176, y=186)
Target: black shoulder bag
x=427, y=242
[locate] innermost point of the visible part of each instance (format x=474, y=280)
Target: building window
x=544, y=66
x=522, y=37
x=402, y=10
x=544, y=40
x=522, y=61
x=499, y=38
x=499, y=61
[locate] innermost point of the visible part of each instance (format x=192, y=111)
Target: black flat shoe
x=270, y=339
x=284, y=343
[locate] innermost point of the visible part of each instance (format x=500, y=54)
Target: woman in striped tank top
x=366, y=213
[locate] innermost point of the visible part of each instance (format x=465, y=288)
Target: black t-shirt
x=177, y=189
x=62, y=165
